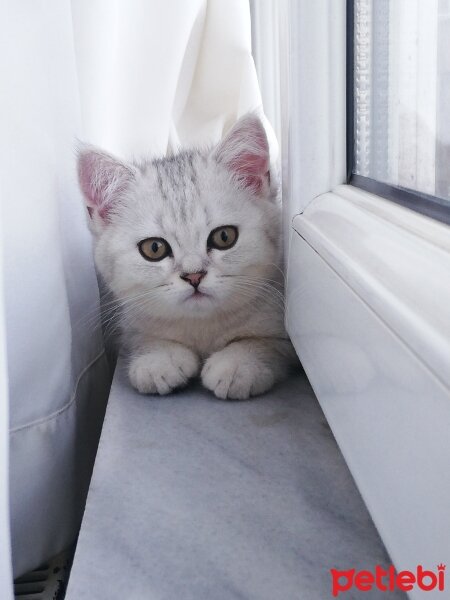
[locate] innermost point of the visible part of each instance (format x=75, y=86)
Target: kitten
x=190, y=247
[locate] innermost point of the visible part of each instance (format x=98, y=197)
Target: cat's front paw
x=163, y=369
x=235, y=374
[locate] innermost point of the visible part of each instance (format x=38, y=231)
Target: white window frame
x=368, y=296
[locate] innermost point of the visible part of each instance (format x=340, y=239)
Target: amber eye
x=223, y=237
x=154, y=249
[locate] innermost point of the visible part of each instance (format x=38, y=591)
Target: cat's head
x=187, y=235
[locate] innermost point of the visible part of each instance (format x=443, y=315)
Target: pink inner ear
x=102, y=178
x=88, y=165
x=251, y=170
x=245, y=151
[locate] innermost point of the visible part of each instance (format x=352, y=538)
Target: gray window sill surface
x=194, y=498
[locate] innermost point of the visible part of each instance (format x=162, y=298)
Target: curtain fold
x=155, y=76
x=51, y=296
x=135, y=77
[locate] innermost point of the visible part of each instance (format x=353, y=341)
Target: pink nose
x=193, y=278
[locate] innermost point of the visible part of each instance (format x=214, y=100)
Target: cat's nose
x=193, y=278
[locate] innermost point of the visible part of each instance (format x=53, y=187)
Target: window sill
x=193, y=497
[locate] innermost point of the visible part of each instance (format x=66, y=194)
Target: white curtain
x=58, y=375
x=5, y=548
x=133, y=76
x=155, y=75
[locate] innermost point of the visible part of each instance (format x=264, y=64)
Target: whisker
x=263, y=295
x=261, y=285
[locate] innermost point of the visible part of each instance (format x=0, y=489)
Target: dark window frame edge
x=431, y=206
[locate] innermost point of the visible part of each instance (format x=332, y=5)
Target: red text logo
x=387, y=580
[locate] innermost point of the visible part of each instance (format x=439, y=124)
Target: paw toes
x=221, y=389
x=161, y=372
x=239, y=391
x=234, y=379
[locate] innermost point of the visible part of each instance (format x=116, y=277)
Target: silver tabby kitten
x=190, y=247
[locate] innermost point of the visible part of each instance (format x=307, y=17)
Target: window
x=399, y=125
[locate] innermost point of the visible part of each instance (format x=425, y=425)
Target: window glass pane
x=402, y=93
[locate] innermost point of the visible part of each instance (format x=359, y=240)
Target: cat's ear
x=103, y=178
x=245, y=152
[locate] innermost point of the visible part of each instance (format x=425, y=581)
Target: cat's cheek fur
x=164, y=367
x=246, y=368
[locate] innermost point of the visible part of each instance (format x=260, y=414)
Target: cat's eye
x=223, y=237
x=154, y=249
